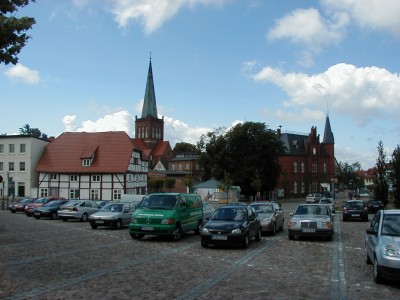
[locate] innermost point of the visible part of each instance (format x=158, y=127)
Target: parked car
x=38, y=203
x=78, y=209
x=313, y=198
x=208, y=211
x=113, y=214
x=20, y=205
x=382, y=245
x=355, y=209
x=311, y=220
x=237, y=203
x=48, y=210
x=232, y=225
x=330, y=202
x=168, y=214
x=271, y=216
x=102, y=203
x=374, y=205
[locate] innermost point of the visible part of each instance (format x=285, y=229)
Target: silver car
x=382, y=245
x=330, y=202
x=311, y=220
x=271, y=216
x=114, y=214
x=78, y=209
x=208, y=211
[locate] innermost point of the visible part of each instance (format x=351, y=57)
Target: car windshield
x=311, y=210
x=25, y=201
x=41, y=200
x=391, y=225
x=113, y=207
x=355, y=205
x=374, y=202
x=230, y=214
x=159, y=202
x=52, y=203
x=326, y=201
x=263, y=208
x=72, y=203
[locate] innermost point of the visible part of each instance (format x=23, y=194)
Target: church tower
x=149, y=127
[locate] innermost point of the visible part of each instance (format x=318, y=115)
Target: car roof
x=390, y=211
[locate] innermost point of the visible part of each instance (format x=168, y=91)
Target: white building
x=19, y=155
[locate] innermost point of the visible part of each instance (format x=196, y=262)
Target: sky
x=215, y=63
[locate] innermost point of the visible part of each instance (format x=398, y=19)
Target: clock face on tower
x=314, y=151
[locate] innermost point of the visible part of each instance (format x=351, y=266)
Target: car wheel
x=64, y=219
x=329, y=237
x=177, y=233
x=94, y=226
x=136, y=236
x=53, y=216
x=377, y=272
x=258, y=235
x=199, y=227
x=204, y=244
x=367, y=259
x=118, y=224
x=245, y=242
x=84, y=217
x=13, y=211
x=291, y=237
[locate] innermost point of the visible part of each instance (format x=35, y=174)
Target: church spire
x=328, y=134
x=149, y=103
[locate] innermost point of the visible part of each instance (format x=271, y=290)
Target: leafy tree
x=169, y=183
x=12, y=30
x=395, y=175
x=347, y=174
x=185, y=147
x=226, y=184
x=155, y=185
x=242, y=152
x=188, y=181
x=35, y=132
x=380, y=181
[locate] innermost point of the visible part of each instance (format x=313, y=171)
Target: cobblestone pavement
x=51, y=259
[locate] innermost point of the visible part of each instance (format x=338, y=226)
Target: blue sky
x=215, y=63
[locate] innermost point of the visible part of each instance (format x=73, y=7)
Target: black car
x=20, y=205
x=355, y=209
x=48, y=210
x=374, y=205
x=232, y=225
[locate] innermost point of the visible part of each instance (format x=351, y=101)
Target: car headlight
x=293, y=224
x=236, y=231
x=327, y=224
x=204, y=230
x=391, y=250
x=134, y=220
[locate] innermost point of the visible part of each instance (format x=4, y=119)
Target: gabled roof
x=209, y=184
x=111, y=153
x=160, y=148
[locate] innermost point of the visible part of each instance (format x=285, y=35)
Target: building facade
x=19, y=155
x=307, y=165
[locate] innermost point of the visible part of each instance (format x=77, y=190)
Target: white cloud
x=371, y=14
x=364, y=93
x=21, y=73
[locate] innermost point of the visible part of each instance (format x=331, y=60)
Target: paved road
x=51, y=259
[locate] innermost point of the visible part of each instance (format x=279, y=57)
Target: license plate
x=219, y=237
x=355, y=215
x=147, y=228
x=99, y=222
x=37, y=214
x=308, y=230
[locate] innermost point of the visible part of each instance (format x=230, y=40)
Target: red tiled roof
x=112, y=152
x=160, y=148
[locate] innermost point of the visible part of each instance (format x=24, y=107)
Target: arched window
x=295, y=167
x=302, y=167
x=295, y=188
x=303, y=188
x=325, y=168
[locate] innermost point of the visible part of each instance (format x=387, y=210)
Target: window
x=11, y=148
x=74, y=194
x=180, y=167
x=53, y=176
x=314, y=167
x=294, y=167
x=73, y=178
x=302, y=167
x=22, y=166
x=94, y=194
x=1, y=166
x=86, y=162
x=303, y=188
x=325, y=168
x=295, y=188
x=96, y=178
x=22, y=148
x=1, y=148
x=187, y=166
x=117, y=194
x=10, y=166
x=44, y=193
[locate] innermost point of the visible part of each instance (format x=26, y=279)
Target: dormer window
x=86, y=162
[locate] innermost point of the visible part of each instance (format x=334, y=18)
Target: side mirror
x=371, y=231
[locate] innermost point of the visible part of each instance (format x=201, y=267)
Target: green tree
x=188, y=181
x=380, y=182
x=169, y=183
x=156, y=184
x=35, y=132
x=395, y=176
x=185, y=147
x=347, y=174
x=241, y=152
x=13, y=35
x=226, y=184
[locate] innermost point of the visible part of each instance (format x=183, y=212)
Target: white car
x=114, y=214
x=330, y=202
x=382, y=245
x=313, y=198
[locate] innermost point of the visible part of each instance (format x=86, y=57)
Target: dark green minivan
x=170, y=214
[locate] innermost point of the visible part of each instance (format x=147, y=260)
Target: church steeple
x=149, y=103
x=328, y=134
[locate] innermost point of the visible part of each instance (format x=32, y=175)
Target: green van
x=169, y=214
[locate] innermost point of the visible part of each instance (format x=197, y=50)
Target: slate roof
x=111, y=151
x=294, y=143
x=328, y=134
x=149, y=102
